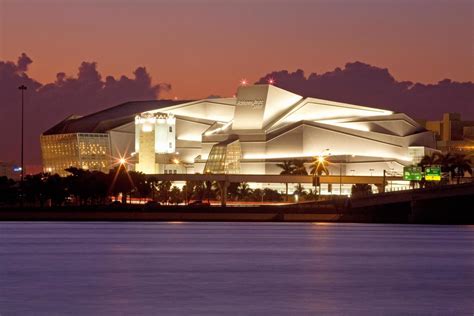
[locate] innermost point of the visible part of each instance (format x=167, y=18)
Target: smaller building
x=9, y=170
x=453, y=134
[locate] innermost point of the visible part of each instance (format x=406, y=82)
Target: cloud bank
x=363, y=84
x=47, y=104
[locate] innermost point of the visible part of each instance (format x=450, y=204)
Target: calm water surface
x=235, y=269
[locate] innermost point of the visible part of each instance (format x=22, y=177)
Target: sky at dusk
x=206, y=47
x=77, y=57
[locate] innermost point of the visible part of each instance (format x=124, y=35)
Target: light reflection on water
x=235, y=268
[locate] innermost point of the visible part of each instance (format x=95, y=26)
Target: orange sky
x=206, y=47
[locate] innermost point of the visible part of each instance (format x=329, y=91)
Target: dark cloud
x=47, y=104
x=23, y=62
x=364, y=84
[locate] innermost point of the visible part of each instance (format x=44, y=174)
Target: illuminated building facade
x=253, y=132
x=155, y=134
x=80, y=150
x=95, y=141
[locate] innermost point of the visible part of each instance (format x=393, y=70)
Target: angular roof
x=102, y=121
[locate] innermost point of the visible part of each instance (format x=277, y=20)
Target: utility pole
x=384, y=179
x=22, y=88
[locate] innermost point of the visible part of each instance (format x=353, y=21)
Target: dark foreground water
x=235, y=268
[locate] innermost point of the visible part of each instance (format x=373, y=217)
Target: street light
x=178, y=162
x=22, y=88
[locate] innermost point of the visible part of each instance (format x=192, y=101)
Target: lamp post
x=340, y=178
x=178, y=162
x=22, y=88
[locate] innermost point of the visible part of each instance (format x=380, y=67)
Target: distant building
x=453, y=134
x=9, y=170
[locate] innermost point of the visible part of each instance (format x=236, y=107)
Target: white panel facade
x=273, y=125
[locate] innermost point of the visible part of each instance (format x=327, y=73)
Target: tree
x=299, y=189
x=196, y=189
x=358, y=190
x=243, y=191
x=271, y=195
x=176, y=195
x=287, y=168
x=428, y=160
x=75, y=183
x=141, y=183
x=233, y=190
x=311, y=195
x=121, y=182
x=34, y=188
x=299, y=168
x=8, y=191
x=318, y=167
x=164, y=191
x=455, y=165
x=55, y=189
x=460, y=165
x=257, y=195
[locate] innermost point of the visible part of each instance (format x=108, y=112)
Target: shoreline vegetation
x=448, y=204
x=94, y=195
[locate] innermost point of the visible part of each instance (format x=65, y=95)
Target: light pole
x=22, y=88
x=340, y=178
x=178, y=162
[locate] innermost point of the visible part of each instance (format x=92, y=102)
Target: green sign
x=412, y=173
x=433, y=173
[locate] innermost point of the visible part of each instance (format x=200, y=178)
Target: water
x=235, y=269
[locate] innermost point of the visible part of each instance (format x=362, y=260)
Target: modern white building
x=248, y=134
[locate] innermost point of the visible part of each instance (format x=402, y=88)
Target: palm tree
x=299, y=189
x=456, y=165
x=312, y=195
x=299, y=167
x=243, y=191
x=287, y=168
x=318, y=167
x=428, y=160
x=164, y=188
x=445, y=161
x=460, y=164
